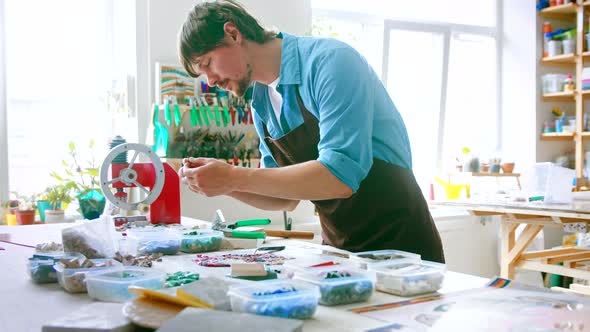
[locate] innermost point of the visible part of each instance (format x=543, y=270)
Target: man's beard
x=244, y=83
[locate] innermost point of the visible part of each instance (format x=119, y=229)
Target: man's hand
x=207, y=176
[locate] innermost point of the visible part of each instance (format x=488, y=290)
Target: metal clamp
x=288, y=221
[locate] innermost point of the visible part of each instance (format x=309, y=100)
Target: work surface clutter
x=178, y=277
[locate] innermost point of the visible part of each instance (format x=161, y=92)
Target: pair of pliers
x=229, y=228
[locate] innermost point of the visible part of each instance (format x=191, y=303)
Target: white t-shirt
x=276, y=99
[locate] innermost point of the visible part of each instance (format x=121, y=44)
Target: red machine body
x=166, y=208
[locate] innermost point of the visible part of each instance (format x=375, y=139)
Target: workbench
x=572, y=217
x=25, y=306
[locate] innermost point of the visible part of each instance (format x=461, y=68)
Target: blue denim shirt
x=358, y=120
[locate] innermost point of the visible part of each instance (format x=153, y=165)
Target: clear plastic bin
x=290, y=267
x=40, y=266
x=200, y=241
x=111, y=285
x=42, y=271
x=363, y=259
x=553, y=83
x=339, y=284
x=152, y=240
x=279, y=298
x=73, y=279
x=409, y=278
x=554, y=183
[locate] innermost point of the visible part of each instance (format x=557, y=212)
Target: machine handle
x=290, y=234
x=248, y=235
x=251, y=222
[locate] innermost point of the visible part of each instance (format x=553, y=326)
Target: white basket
x=552, y=182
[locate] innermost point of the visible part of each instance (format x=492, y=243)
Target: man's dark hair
x=203, y=30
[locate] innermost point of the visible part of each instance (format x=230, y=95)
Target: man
x=329, y=133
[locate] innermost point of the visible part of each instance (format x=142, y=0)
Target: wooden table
x=485, y=174
x=25, y=306
x=535, y=216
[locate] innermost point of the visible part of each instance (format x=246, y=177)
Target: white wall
x=520, y=137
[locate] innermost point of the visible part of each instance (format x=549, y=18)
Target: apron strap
x=304, y=112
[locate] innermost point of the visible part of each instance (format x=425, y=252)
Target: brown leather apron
x=387, y=212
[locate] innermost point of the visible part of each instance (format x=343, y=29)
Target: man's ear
x=232, y=32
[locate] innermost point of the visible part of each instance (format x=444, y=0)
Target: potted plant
x=57, y=196
x=43, y=205
x=25, y=212
x=10, y=207
x=470, y=162
x=83, y=179
x=495, y=165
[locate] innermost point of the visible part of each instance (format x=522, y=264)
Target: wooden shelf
x=559, y=96
x=560, y=59
x=560, y=12
x=585, y=134
x=558, y=136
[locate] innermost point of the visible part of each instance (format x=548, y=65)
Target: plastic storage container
x=339, y=284
x=279, y=298
x=155, y=240
x=200, y=241
x=553, y=183
x=73, y=279
x=111, y=285
x=290, y=267
x=409, y=278
x=363, y=259
x=553, y=83
x=41, y=269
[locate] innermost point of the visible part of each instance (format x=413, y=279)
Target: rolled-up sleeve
x=342, y=88
x=266, y=158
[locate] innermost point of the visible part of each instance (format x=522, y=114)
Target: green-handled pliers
x=229, y=228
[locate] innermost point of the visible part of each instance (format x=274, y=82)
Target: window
x=64, y=58
x=439, y=65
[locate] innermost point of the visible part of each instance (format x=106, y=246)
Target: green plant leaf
x=92, y=143
x=56, y=176
x=93, y=171
x=72, y=147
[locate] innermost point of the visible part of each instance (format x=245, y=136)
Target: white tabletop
x=25, y=306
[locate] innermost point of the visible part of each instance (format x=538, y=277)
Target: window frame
x=447, y=29
x=118, y=16
x=3, y=111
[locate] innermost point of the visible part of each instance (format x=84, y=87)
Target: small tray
x=366, y=258
x=155, y=240
x=73, y=279
x=279, y=298
x=111, y=285
x=40, y=266
x=291, y=267
x=197, y=241
x=408, y=278
x=339, y=284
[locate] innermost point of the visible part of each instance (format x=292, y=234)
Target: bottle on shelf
x=568, y=84
x=546, y=38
